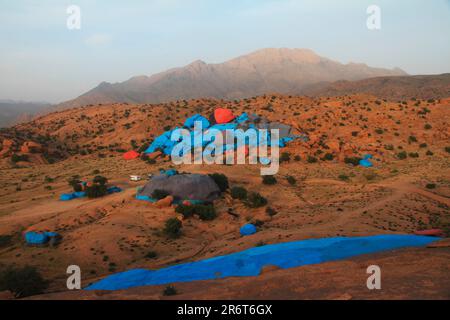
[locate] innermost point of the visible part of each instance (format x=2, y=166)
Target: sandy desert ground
x=329, y=198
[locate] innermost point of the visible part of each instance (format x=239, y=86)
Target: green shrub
x=48, y=179
x=100, y=180
x=269, y=180
x=271, y=211
x=402, y=155
x=285, y=157
x=5, y=240
x=447, y=149
x=413, y=155
x=76, y=185
x=239, y=193
x=186, y=210
x=255, y=200
x=431, y=186
x=22, y=282
x=343, y=177
x=96, y=191
x=172, y=228
x=389, y=147
x=328, y=157
x=311, y=159
x=352, y=160
x=221, y=180
x=18, y=158
x=429, y=153
x=291, y=180
x=428, y=126
x=170, y=291
x=412, y=139
x=205, y=212
x=151, y=255
x=159, y=194
x=297, y=158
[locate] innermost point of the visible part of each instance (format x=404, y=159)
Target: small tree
x=173, y=228
x=22, y=282
x=285, y=157
x=255, y=200
x=311, y=159
x=291, y=180
x=96, y=191
x=5, y=240
x=76, y=185
x=353, y=160
x=100, y=180
x=271, y=211
x=170, y=291
x=402, y=155
x=269, y=180
x=239, y=193
x=221, y=180
x=205, y=212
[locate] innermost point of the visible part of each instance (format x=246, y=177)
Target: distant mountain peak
x=274, y=70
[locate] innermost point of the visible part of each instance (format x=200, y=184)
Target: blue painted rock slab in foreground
x=250, y=262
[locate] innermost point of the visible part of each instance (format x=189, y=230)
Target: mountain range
x=393, y=88
x=284, y=71
x=12, y=112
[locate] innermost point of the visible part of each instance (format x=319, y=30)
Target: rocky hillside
x=19, y=148
x=285, y=71
x=13, y=112
x=337, y=127
x=393, y=88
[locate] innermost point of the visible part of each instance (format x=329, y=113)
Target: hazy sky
x=40, y=59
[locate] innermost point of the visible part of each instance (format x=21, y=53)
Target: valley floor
x=115, y=233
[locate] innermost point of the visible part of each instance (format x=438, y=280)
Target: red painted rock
x=130, y=155
x=223, y=115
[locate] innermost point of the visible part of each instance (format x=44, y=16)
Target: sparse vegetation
x=239, y=193
x=221, y=180
x=311, y=159
x=269, y=180
x=285, y=157
x=170, y=291
x=96, y=190
x=5, y=240
x=22, y=282
x=255, y=200
x=173, y=228
x=205, y=212
x=352, y=160
x=271, y=211
x=291, y=180
x=328, y=157
x=19, y=158
x=402, y=155
x=151, y=255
